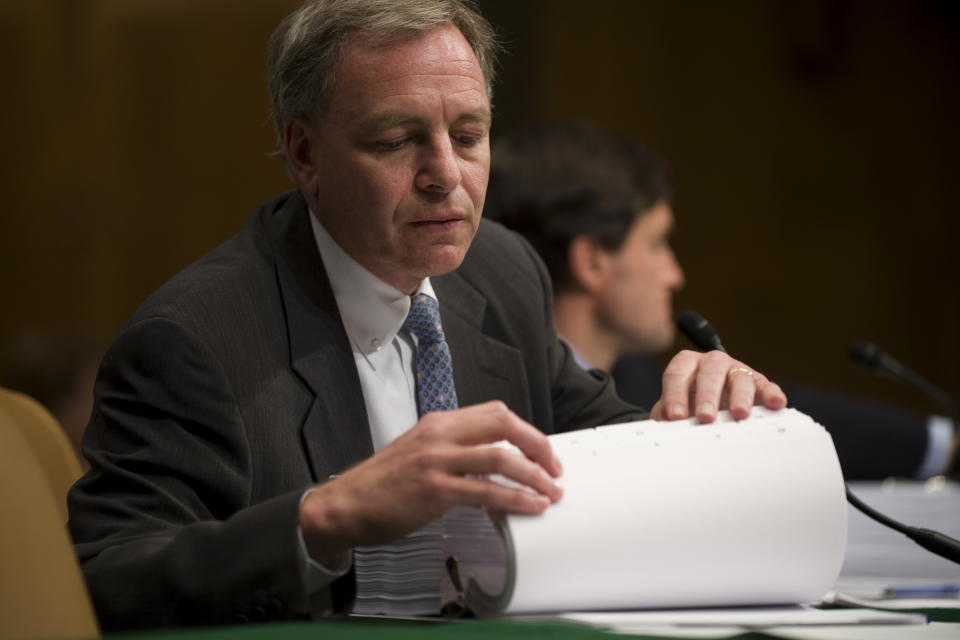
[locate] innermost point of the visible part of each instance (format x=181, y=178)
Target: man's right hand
x=439, y=463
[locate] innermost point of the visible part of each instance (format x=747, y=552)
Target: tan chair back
x=48, y=441
x=42, y=593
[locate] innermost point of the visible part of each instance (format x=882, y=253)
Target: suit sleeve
x=164, y=524
x=873, y=439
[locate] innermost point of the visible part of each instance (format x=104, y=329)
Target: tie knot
x=423, y=320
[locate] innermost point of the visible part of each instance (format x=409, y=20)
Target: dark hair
x=554, y=182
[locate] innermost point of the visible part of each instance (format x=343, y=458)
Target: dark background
x=812, y=146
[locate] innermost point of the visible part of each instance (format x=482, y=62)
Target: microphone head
x=865, y=354
x=698, y=331
x=868, y=355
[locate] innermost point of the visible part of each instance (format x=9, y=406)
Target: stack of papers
x=403, y=577
x=760, y=617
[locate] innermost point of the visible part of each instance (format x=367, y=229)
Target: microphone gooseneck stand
x=879, y=362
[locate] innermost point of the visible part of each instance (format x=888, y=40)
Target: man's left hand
x=700, y=384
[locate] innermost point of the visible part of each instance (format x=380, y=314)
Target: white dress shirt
x=373, y=313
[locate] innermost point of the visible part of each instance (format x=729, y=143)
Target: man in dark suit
x=258, y=420
x=597, y=206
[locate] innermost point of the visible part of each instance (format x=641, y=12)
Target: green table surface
x=362, y=630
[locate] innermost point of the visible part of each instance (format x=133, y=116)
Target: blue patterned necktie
x=435, y=390
x=406, y=576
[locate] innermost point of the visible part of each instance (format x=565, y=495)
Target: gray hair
x=305, y=48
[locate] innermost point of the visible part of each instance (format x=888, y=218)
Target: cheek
x=475, y=177
x=639, y=293
x=378, y=189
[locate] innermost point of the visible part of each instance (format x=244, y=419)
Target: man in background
x=597, y=206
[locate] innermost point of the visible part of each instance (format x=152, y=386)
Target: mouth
x=440, y=222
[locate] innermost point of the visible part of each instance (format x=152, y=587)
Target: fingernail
x=707, y=408
x=559, y=493
x=558, y=466
x=677, y=411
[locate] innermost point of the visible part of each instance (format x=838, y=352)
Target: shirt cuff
x=939, y=438
x=315, y=575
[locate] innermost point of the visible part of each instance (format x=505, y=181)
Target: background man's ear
x=589, y=263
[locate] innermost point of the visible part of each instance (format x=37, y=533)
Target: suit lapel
x=483, y=368
x=336, y=431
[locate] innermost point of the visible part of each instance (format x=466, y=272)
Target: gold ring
x=734, y=371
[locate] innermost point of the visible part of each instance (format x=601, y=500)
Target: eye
x=469, y=136
x=467, y=140
x=390, y=145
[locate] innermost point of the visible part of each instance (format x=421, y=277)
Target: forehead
x=436, y=60
x=658, y=218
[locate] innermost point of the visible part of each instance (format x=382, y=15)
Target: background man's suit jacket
x=233, y=389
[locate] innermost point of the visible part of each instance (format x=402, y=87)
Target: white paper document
x=765, y=617
x=663, y=515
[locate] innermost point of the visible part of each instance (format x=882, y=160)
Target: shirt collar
x=577, y=356
x=372, y=310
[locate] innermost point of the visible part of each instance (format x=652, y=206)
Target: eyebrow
x=386, y=121
x=483, y=116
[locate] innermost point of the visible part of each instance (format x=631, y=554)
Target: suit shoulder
x=504, y=268
x=230, y=281
x=498, y=252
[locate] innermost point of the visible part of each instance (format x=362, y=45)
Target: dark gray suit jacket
x=233, y=388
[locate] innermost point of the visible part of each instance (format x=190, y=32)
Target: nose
x=675, y=277
x=439, y=170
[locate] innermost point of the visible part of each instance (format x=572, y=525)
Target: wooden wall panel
x=812, y=145
x=145, y=144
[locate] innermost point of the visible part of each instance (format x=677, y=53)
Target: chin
x=440, y=261
x=652, y=342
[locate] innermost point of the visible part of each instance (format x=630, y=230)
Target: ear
x=299, y=146
x=589, y=263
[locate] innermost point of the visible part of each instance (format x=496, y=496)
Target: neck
x=577, y=323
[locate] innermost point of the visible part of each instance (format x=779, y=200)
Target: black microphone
x=703, y=336
x=872, y=357
x=698, y=331
x=869, y=355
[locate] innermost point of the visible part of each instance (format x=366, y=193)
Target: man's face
x=634, y=303
x=401, y=158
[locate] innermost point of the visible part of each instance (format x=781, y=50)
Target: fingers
x=771, y=395
x=448, y=445
x=742, y=388
x=437, y=464
x=713, y=380
x=748, y=388
x=492, y=495
x=657, y=412
x=493, y=421
x=678, y=377
x=509, y=464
